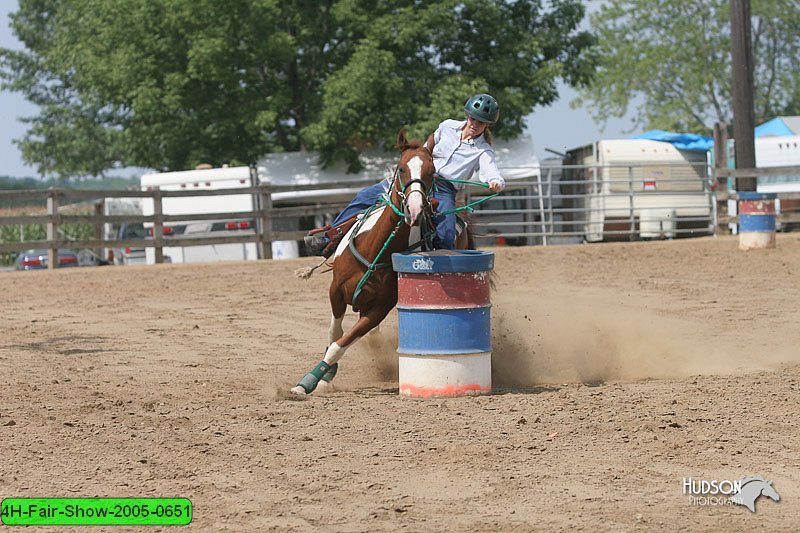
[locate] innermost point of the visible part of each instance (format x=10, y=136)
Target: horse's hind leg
x=335, y=331
x=366, y=322
x=324, y=371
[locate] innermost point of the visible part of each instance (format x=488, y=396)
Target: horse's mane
x=748, y=479
x=414, y=143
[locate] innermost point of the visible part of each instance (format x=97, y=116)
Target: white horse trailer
x=628, y=188
x=199, y=180
x=778, y=152
x=772, y=151
x=285, y=169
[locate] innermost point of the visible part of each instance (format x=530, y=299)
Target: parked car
x=38, y=259
x=130, y=255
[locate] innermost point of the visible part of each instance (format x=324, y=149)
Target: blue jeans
x=445, y=192
x=366, y=198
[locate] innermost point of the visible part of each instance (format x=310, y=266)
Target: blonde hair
x=487, y=134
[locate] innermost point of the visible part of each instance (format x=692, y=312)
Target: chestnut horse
x=376, y=295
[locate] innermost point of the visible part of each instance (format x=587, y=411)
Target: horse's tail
x=469, y=231
x=307, y=272
x=470, y=234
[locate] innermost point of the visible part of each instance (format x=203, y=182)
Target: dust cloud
x=590, y=340
x=376, y=353
x=599, y=341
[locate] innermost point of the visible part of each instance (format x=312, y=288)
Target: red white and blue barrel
x=756, y=212
x=444, y=320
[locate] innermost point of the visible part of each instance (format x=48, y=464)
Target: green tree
x=167, y=84
x=671, y=62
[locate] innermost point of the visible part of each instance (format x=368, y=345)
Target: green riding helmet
x=483, y=107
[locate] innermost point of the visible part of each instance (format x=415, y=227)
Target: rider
x=461, y=148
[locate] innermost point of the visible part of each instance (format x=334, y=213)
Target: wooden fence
x=264, y=214
x=790, y=201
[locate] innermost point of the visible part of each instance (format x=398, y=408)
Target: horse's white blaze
x=414, y=200
x=335, y=330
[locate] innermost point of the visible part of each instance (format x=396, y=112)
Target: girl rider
x=461, y=148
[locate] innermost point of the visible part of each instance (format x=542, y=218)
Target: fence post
x=552, y=225
x=541, y=208
x=158, y=226
x=720, y=195
x=52, y=228
x=630, y=197
x=99, y=209
x=265, y=239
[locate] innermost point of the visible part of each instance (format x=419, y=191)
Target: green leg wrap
x=311, y=380
x=331, y=373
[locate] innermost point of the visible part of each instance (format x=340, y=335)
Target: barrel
x=444, y=321
x=756, y=220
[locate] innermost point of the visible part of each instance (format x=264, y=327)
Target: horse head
x=751, y=488
x=414, y=178
x=769, y=491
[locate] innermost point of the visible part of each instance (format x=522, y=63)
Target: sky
x=557, y=126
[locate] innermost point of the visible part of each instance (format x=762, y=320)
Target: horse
x=752, y=488
x=362, y=273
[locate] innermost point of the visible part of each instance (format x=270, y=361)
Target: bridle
x=427, y=216
x=401, y=189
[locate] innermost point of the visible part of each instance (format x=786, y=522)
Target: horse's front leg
x=335, y=331
x=338, y=309
x=366, y=321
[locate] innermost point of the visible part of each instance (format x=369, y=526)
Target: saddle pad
x=365, y=227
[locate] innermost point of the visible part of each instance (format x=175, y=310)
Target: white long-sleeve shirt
x=459, y=159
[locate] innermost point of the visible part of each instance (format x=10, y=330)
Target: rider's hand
x=495, y=186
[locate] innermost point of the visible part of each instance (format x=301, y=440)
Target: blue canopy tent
x=779, y=127
x=681, y=141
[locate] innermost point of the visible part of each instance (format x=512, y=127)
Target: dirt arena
x=619, y=369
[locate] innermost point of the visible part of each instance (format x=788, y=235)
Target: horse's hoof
x=324, y=387
x=298, y=393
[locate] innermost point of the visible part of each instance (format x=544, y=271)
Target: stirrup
x=315, y=244
x=332, y=246
x=333, y=234
x=314, y=231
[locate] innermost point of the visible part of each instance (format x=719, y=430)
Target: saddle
x=334, y=235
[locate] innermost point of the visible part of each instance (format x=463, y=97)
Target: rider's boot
x=323, y=241
x=316, y=244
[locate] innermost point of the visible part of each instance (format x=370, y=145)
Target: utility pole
x=755, y=211
x=721, y=162
x=742, y=81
